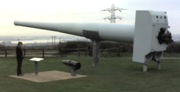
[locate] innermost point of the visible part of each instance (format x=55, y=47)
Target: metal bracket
x=73, y=72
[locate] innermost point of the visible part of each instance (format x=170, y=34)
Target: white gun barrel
x=98, y=31
x=150, y=35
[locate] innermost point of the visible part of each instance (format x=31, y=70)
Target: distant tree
x=173, y=48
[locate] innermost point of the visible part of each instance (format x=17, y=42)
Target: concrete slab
x=47, y=76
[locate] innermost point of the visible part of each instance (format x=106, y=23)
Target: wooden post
x=5, y=53
x=85, y=52
x=118, y=52
x=78, y=52
x=61, y=52
x=43, y=52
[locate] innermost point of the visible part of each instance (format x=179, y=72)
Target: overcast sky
x=78, y=11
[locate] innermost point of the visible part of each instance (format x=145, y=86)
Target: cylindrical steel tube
x=104, y=31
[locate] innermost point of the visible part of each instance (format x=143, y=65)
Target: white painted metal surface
x=147, y=28
x=107, y=31
x=143, y=34
x=36, y=59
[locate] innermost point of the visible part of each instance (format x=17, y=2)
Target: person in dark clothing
x=19, y=57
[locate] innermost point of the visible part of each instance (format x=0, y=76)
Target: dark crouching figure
x=19, y=57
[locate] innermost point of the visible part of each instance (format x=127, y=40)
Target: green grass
x=112, y=75
x=171, y=55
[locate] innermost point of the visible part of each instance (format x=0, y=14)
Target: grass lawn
x=112, y=75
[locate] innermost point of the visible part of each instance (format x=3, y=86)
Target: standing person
x=19, y=57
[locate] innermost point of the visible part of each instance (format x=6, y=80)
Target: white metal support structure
x=151, y=37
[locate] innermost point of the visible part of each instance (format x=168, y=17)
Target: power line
x=55, y=15
x=128, y=15
x=52, y=40
x=77, y=21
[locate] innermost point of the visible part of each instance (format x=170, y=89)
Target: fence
x=28, y=52
x=59, y=52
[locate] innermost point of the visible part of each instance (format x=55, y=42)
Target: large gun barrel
x=98, y=31
x=150, y=35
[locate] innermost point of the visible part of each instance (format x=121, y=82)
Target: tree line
x=124, y=47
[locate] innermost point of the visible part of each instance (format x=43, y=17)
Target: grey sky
x=69, y=11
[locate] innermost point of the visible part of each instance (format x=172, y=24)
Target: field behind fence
x=83, y=49
x=79, y=52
